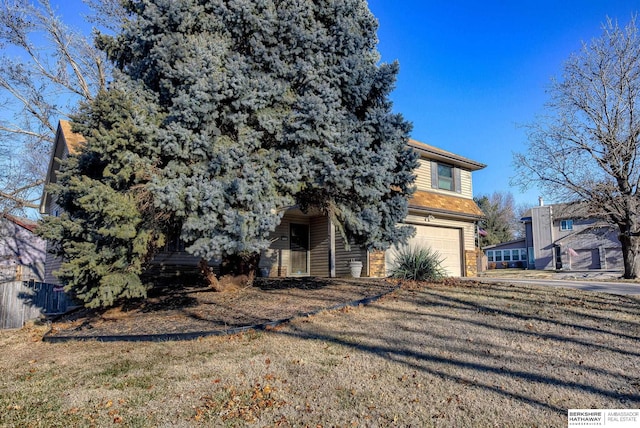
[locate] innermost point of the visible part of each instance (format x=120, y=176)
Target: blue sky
x=473, y=72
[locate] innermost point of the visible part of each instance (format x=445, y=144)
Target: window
x=566, y=225
x=515, y=255
x=445, y=177
x=506, y=254
x=523, y=255
x=490, y=256
x=498, y=256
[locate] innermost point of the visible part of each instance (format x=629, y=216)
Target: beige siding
x=423, y=175
x=319, y=243
x=277, y=257
x=466, y=187
x=423, y=180
x=51, y=265
x=343, y=257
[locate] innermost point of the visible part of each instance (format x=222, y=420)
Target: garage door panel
x=585, y=259
x=446, y=241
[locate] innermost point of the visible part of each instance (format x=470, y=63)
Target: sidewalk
x=595, y=275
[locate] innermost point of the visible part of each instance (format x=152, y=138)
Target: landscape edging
x=165, y=337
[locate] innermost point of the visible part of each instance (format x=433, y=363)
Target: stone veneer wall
x=377, y=268
x=471, y=260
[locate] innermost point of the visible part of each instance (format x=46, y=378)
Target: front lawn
x=427, y=355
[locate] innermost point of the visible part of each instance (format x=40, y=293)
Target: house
x=306, y=244
x=560, y=236
x=22, y=252
x=512, y=254
x=66, y=142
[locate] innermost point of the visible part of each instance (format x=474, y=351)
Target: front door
x=299, y=249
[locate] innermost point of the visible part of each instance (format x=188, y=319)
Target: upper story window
x=566, y=225
x=445, y=177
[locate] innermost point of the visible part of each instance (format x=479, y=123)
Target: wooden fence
x=21, y=301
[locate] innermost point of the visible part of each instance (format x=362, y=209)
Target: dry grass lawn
x=444, y=355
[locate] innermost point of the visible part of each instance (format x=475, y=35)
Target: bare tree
x=46, y=69
x=501, y=222
x=587, y=147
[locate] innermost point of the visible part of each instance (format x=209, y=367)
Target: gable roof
x=24, y=223
x=445, y=156
x=437, y=203
x=564, y=211
x=66, y=142
x=72, y=139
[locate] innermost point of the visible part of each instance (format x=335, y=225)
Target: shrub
x=418, y=263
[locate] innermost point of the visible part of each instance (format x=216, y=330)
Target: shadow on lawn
x=477, y=364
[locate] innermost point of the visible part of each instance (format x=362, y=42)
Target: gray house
x=22, y=253
x=564, y=236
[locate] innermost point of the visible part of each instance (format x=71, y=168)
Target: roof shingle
x=431, y=201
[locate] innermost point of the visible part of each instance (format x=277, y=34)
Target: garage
x=445, y=240
x=584, y=259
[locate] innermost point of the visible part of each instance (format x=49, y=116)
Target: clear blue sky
x=472, y=71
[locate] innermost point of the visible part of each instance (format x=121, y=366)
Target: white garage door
x=446, y=241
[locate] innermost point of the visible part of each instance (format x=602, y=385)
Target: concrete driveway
x=612, y=287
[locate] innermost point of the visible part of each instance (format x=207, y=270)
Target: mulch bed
x=189, y=312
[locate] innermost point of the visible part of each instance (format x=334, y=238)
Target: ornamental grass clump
x=419, y=264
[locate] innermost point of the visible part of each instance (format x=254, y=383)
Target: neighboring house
x=512, y=254
x=564, y=236
x=306, y=244
x=22, y=252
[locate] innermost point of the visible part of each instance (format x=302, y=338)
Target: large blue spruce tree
x=265, y=104
x=108, y=228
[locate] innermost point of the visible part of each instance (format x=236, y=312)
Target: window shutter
x=434, y=174
x=457, y=180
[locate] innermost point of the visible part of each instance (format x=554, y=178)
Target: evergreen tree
x=501, y=223
x=268, y=104
x=260, y=105
x=108, y=227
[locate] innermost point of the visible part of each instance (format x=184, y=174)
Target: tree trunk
x=236, y=271
x=630, y=251
x=209, y=276
x=240, y=264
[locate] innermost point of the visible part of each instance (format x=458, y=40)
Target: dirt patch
x=189, y=311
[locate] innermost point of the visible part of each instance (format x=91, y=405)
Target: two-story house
x=564, y=236
x=561, y=236
x=306, y=244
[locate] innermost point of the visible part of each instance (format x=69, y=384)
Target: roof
x=25, y=223
x=571, y=210
x=438, y=203
x=70, y=138
x=445, y=156
x=508, y=243
x=66, y=142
